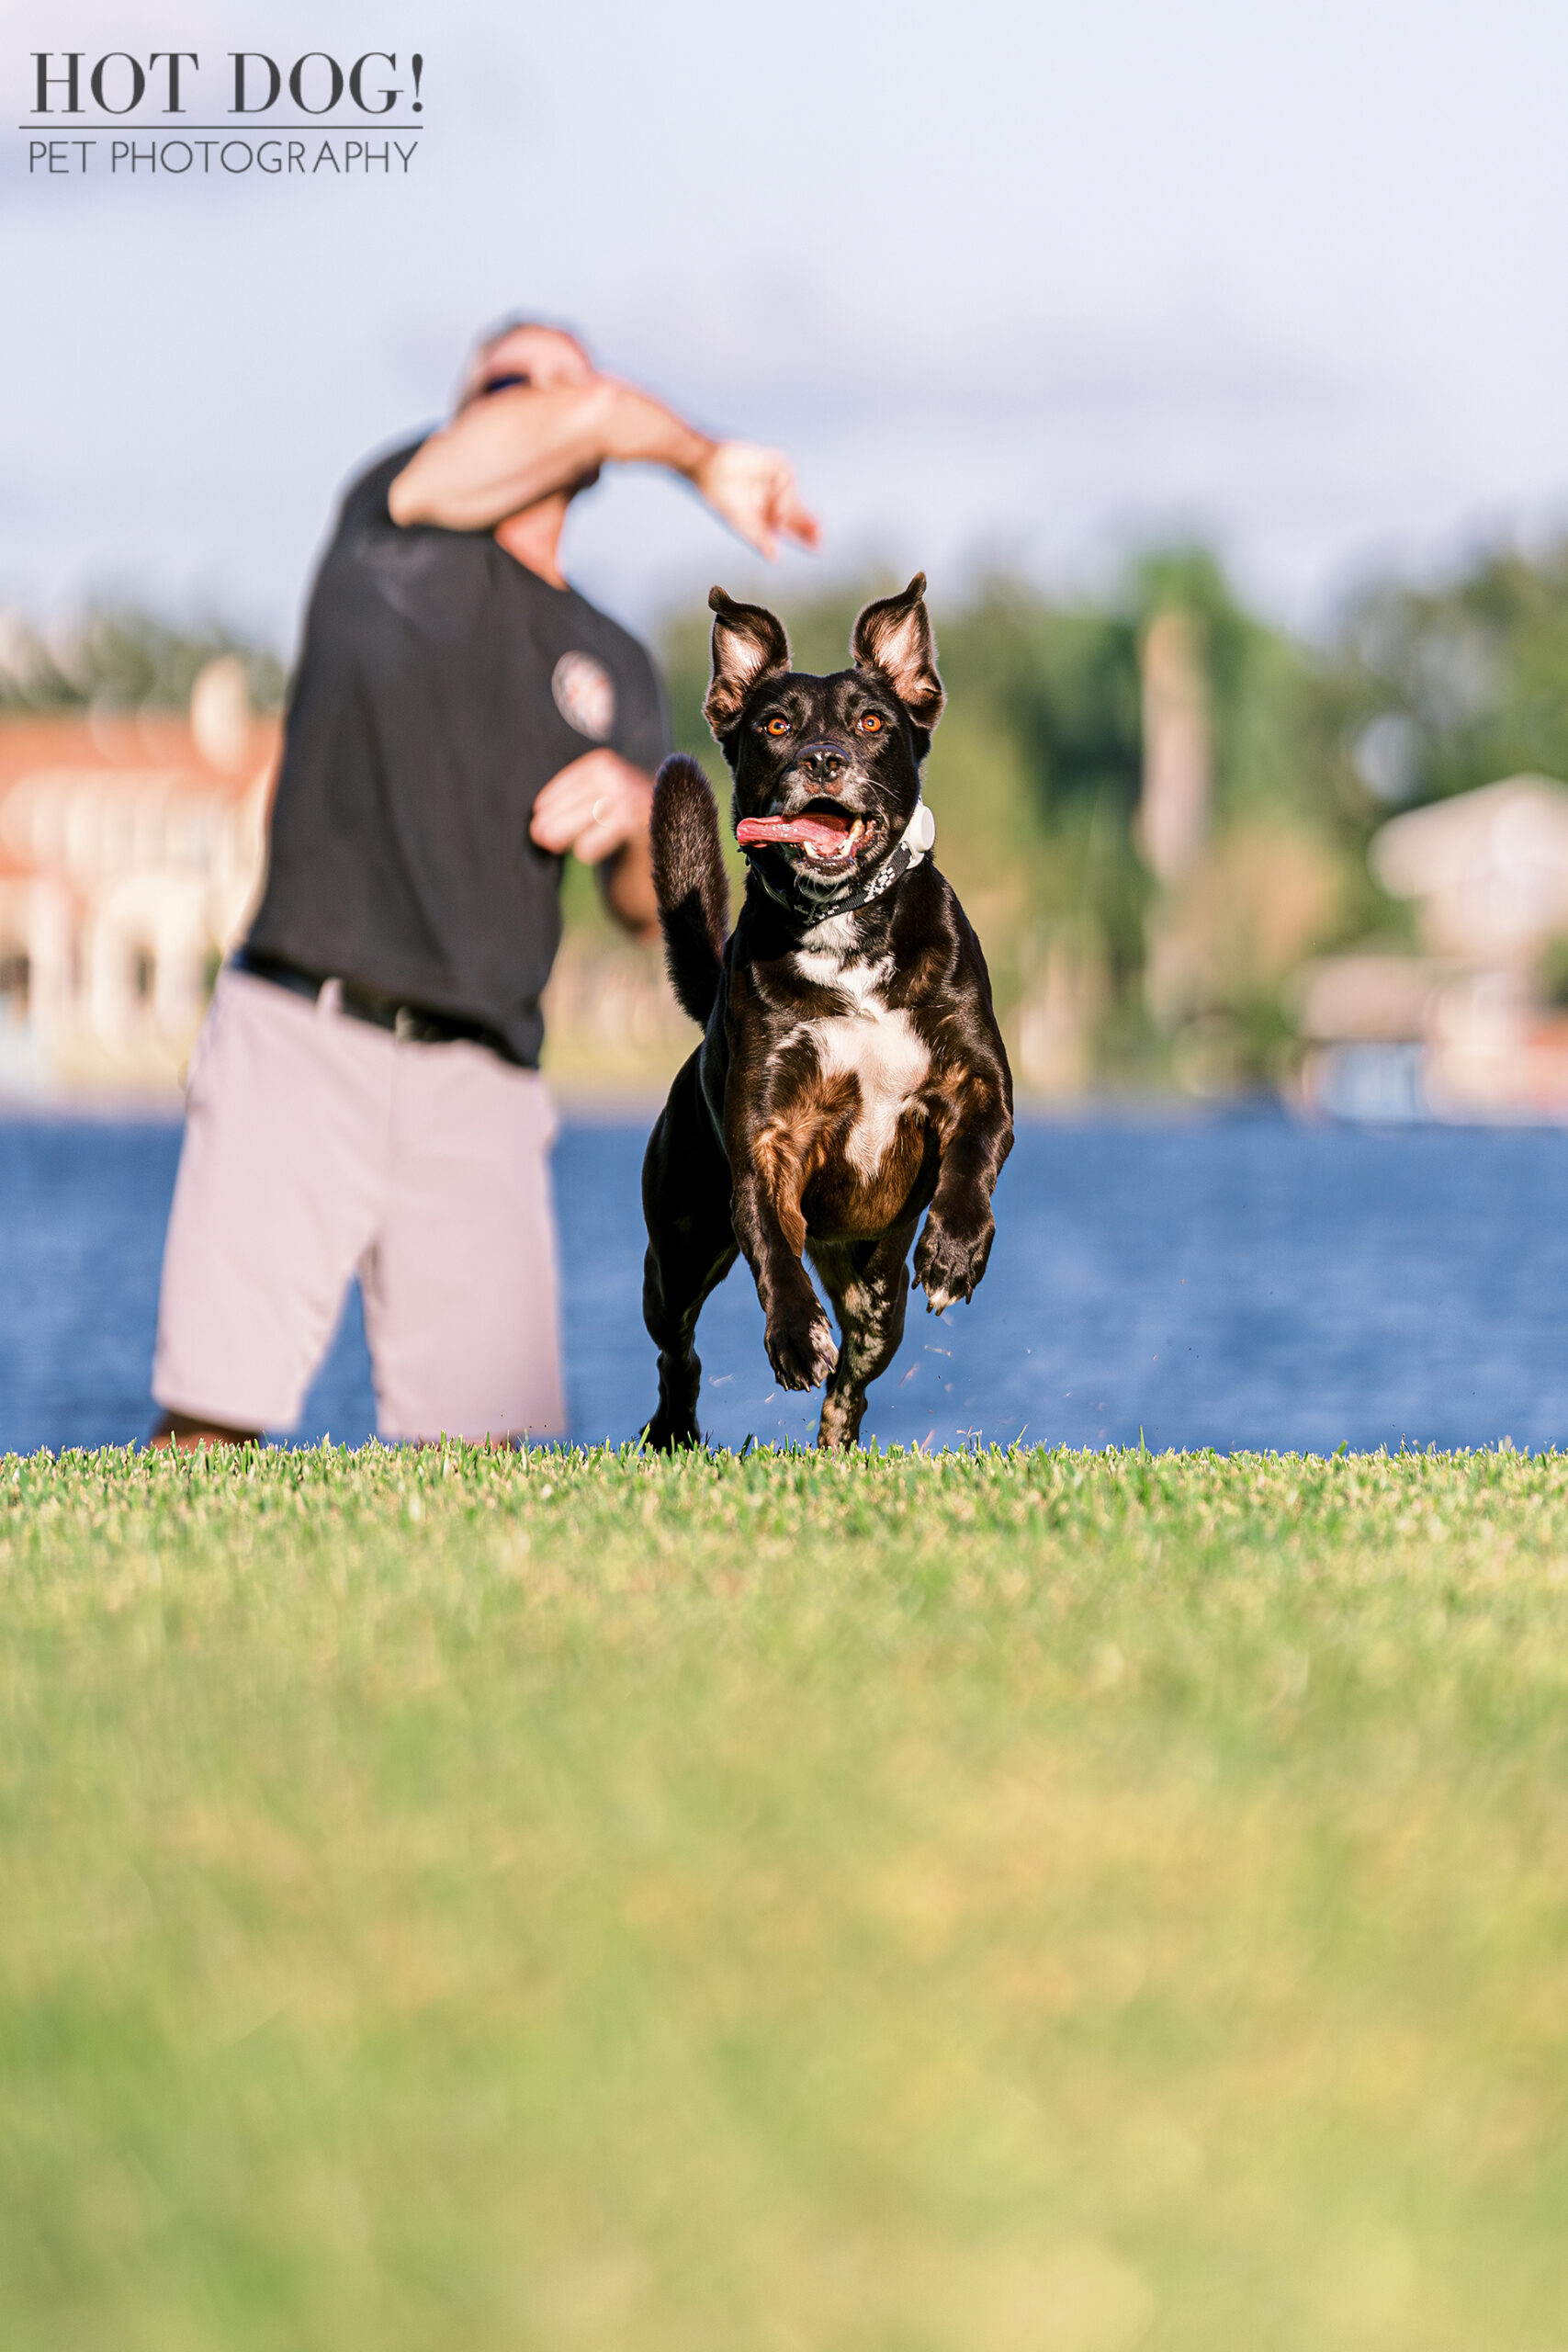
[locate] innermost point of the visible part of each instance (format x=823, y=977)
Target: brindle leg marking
x=956, y=1243
x=685, y=1199
x=772, y=1231
x=869, y=1285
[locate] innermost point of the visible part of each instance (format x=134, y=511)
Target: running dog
x=850, y=1073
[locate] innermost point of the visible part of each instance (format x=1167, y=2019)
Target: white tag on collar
x=920, y=833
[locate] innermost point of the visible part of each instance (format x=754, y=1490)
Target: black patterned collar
x=912, y=848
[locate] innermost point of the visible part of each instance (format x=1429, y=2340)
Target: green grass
x=1011, y=1902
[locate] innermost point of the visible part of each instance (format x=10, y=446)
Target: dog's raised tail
x=689, y=882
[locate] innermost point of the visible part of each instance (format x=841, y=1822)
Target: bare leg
x=869, y=1285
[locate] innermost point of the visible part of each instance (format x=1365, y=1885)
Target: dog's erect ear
x=895, y=636
x=749, y=645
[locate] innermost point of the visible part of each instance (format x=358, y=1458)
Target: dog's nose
x=822, y=762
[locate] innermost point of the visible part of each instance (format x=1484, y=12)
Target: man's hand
x=598, y=808
x=592, y=808
x=753, y=488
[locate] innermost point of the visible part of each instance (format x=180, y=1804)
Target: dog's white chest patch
x=880, y=1047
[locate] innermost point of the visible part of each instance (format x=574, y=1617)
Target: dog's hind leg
x=691, y=1248
x=868, y=1283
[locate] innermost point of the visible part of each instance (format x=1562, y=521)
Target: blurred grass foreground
x=1203, y=853
x=1023, y=1902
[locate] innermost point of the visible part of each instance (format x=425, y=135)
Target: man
x=365, y=1092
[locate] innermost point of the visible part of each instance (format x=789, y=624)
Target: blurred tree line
x=1105, y=971
x=1108, y=969
x=121, y=656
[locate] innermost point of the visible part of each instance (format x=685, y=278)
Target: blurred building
x=1465, y=1028
x=130, y=852
x=1173, y=808
x=1171, y=821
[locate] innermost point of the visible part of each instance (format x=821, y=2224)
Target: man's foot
x=188, y=1431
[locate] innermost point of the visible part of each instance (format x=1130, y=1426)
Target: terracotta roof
x=132, y=748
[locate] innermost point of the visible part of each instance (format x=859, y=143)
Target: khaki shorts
x=315, y=1146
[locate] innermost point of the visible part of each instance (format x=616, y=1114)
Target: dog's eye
x=776, y=726
x=869, y=723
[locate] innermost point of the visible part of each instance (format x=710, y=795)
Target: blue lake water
x=1234, y=1281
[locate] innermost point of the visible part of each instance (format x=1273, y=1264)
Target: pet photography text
x=86, y=112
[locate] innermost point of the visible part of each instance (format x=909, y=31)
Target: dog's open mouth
x=828, y=833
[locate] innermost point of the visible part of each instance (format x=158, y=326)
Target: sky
x=1018, y=286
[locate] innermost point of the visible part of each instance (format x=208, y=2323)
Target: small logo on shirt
x=585, y=695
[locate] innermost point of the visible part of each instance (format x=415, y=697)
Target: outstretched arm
x=506, y=451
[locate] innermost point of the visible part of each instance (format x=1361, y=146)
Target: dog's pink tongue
x=818, y=833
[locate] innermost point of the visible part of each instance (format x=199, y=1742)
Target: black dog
x=850, y=1073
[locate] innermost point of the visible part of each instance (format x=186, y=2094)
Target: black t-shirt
x=441, y=686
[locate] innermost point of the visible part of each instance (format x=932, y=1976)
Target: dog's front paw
x=800, y=1347
x=949, y=1261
